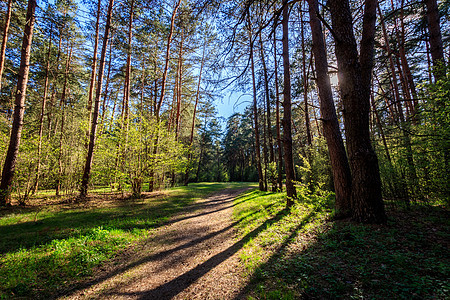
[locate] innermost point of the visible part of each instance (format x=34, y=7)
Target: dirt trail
x=193, y=257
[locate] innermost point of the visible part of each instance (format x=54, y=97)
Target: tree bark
x=354, y=82
x=106, y=92
x=305, y=81
x=92, y=137
x=255, y=112
x=41, y=117
x=19, y=108
x=277, y=107
x=62, y=105
x=5, y=40
x=436, y=46
x=338, y=157
x=94, y=62
x=287, y=119
x=197, y=97
x=166, y=64
x=180, y=85
x=268, y=112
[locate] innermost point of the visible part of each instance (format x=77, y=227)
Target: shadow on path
x=177, y=285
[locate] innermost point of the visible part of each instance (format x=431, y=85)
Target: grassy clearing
x=42, y=250
x=302, y=255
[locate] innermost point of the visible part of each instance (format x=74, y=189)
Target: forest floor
x=220, y=241
x=193, y=257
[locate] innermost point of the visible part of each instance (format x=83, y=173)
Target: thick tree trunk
x=19, y=108
x=436, y=46
x=5, y=40
x=92, y=137
x=287, y=119
x=338, y=157
x=277, y=99
x=354, y=82
x=255, y=113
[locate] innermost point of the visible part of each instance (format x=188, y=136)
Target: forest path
x=195, y=256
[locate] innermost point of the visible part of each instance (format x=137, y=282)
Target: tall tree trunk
x=19, y=108
x=338, y=157
x=287, y=119
x=126, y=94
x=265, y=150
x=54, y=90
x=197, y=97
x=405, y=64
x=268, y=113
x=180, y=85
x=94, y=62
x=305, y=81
x=166, y=64
x=158, y=104
x=400, y=120
x=355, y=72
x=397, y=98
x=41, y=117
x=436, y=46
x=127, y=85
x=106, y=92
x=62, y=105
x=277, y=107
x=202, y=143
x=92, y=137
x=5, y=40
x=255, y=111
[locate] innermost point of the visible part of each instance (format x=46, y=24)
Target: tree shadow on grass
x=127, y=216
x=406, y=259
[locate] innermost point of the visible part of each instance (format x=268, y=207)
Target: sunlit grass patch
x=305, y=255
x=44, y=250
x=279, y=226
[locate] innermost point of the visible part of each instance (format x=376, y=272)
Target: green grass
x=302, y=254
x=44, y=250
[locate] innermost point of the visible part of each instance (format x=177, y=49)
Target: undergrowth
x=42, y=251
x=302, y=254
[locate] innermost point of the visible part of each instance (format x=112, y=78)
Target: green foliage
x=302, y=255
x=43, y=251
x=432, y=137
x=315, y=168
x=239, y=147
